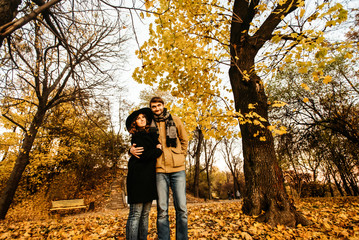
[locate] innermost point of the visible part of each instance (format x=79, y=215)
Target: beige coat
x=172, y=159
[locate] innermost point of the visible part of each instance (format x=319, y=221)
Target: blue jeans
x=177, y=182
x=137, y=222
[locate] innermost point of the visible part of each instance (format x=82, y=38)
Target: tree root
x=287, y=217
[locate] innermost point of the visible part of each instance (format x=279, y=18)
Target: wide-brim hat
x=133, y=116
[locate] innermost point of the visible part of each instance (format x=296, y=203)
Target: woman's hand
x=159, y=146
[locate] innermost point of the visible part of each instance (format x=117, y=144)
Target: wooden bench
x=67, y=204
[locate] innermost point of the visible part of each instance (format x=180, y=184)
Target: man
x=170, y=169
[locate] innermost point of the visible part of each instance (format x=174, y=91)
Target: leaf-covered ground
x=334, y=218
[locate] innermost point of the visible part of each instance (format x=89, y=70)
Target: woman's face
x=141, y=121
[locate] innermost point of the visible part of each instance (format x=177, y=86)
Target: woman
x=141, y=177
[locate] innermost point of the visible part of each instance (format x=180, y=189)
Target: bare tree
x=197, y=157
x=233, y=161
x=209, y=149
x=46, y=65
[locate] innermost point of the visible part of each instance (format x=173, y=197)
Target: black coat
x=141, y=177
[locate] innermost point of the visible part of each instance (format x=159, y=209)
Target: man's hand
x=136, y=151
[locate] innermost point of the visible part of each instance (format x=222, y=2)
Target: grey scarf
x=171, y=130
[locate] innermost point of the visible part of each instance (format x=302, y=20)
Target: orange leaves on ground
x=82, y=227
x=333, y=218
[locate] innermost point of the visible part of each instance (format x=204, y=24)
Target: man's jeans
x=177, y=182
x=137, y=222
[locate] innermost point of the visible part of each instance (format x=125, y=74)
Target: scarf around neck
x=171, y=130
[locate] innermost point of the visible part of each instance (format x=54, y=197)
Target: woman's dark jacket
x=141, y=177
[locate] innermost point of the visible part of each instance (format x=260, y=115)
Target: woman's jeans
x=137, y=222
x=177, y=182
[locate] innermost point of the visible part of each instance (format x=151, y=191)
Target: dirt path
x=124, y=211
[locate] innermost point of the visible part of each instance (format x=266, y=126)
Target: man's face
x=157, y=108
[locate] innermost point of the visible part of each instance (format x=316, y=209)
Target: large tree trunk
x=265, y=190
x=265, y=193
x=22, y=161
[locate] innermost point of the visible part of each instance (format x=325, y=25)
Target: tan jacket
x=172, y=159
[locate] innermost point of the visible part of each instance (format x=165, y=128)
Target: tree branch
x=10, y=27
x=14, y=122
x=264, y=33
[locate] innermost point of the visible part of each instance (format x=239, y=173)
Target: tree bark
x=197, y=163
x=265, y=190
x=21, y=162
x=209, y=183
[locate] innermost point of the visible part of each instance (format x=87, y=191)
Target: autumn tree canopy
x=190, y=39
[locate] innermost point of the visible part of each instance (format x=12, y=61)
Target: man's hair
x=156, y=100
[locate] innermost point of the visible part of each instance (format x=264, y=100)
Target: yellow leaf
x=246, y=236
x=348, y=55
x=305, y=100
x=302, y=11
x=305, y=86
x=271, y=128
x=303, y=70
x=327, y=226
x=148, y=4
x=276, y=38
x=256, y=122
x=283, y=129
x=251, y=106
x=278, y=104
x=280, y=227
x=327, y=79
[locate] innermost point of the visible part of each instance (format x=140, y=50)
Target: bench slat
x=68, y=204
x=63, y=208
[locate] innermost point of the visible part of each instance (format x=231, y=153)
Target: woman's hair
x=134, y=128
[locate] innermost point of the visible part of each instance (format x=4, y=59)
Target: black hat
x=133, y=116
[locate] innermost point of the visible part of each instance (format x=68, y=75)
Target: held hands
x=136, y=151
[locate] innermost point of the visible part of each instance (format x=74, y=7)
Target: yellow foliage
x=303, y=69
x=148, y=4
x=327, y=79
x=348, y=55
x=181, y=59
x=302, y=11
x=305, y=86
x=189, y=38
x=251, y=106
x=278, y=104
x=262, y=138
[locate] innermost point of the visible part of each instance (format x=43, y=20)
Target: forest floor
x=333, y=218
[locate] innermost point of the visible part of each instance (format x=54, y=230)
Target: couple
x=159, y=145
